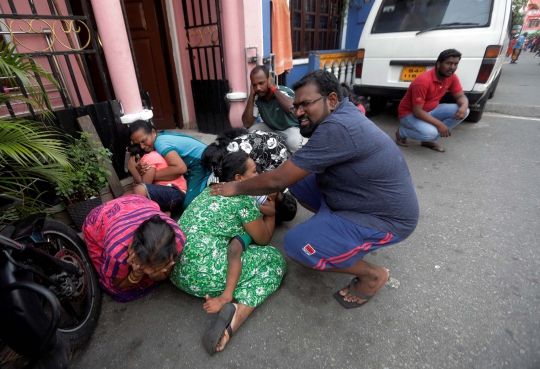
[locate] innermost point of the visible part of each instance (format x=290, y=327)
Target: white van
x=403, y=38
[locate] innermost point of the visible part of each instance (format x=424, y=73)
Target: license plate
x=410, y=72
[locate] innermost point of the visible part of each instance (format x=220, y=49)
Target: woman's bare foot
x=368, y=286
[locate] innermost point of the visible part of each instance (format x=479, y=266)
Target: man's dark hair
x=154, y=242
x=259, y=68
x=450, y=53
x=345, y=89
x=326, y=83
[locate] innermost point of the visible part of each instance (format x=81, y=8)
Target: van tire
x=492, y=92
x=474, y=116
x=377, y=104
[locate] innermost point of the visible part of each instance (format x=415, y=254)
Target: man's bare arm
x=247, y=116
x=275, y=180
x=463, y=103
x=285, y=102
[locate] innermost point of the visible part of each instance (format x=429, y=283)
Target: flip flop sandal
x=434, y=147
x=352, y=304
x=223, y=321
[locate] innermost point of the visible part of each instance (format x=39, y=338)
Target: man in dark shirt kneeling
x=352, y=177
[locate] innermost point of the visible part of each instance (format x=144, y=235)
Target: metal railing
x=60, y=44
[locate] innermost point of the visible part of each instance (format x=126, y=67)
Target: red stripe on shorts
x=349, y=254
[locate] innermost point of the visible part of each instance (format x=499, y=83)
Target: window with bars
x=315, y=25
x=534, y=23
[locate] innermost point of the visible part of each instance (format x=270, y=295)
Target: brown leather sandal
x=400, y=141
x=433, y=146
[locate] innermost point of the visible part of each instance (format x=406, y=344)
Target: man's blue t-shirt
x=361, y=172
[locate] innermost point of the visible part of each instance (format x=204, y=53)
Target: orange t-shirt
x=157, y=161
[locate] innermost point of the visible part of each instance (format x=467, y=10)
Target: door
x=208, y=82
x=149, y=35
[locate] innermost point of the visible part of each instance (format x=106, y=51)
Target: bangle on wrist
x=133, y=279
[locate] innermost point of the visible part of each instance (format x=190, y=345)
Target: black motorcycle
x=50, y=298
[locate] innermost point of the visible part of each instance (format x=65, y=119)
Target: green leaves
x=34, y=157
x=31, y=155
x=29, y=143
x=518, y=11
x=89, y=171
x=21, y=69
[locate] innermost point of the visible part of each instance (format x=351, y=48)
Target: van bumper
x=477, y=99
x=377, y=91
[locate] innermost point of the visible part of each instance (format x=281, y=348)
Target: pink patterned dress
x=109, y=229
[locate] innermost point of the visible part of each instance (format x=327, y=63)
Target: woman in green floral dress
x=209, y=224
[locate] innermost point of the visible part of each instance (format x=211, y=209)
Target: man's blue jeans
x=417, y=129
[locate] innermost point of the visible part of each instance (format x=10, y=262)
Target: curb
x=532, y=111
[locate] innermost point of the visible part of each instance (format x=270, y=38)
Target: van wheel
x=492, y=92
x=377, y=104
x=474, y=116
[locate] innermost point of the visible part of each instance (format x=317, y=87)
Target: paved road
x=518, y=92
x=465, y=289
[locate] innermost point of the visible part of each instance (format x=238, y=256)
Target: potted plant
x=87, y=177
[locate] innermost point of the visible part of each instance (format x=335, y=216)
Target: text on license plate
x=410, y=72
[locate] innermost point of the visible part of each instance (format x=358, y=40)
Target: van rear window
x=424, y=15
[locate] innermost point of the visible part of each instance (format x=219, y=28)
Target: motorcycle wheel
x=80, y=312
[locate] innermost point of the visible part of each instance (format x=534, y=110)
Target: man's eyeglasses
x=304, y=104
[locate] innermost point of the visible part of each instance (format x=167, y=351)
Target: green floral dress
x=209, y=223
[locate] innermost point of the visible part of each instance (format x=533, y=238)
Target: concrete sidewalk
x=206, y=138
x=517, y=92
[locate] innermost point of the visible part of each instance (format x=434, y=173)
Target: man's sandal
x=433, y=146
x=352, y=304
x=401, y=141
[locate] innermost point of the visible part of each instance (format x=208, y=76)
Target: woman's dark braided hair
x=226, y=165
x=220, y=162
x=154, y=242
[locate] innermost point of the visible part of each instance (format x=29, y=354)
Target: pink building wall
x=533, y=12
x=241, y=27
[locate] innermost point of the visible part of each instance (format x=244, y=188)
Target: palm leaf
x=7, y=98
x=20, y=69
x=30, y=152
x=25, y=142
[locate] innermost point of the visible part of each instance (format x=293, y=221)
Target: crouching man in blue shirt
x=355, y=180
